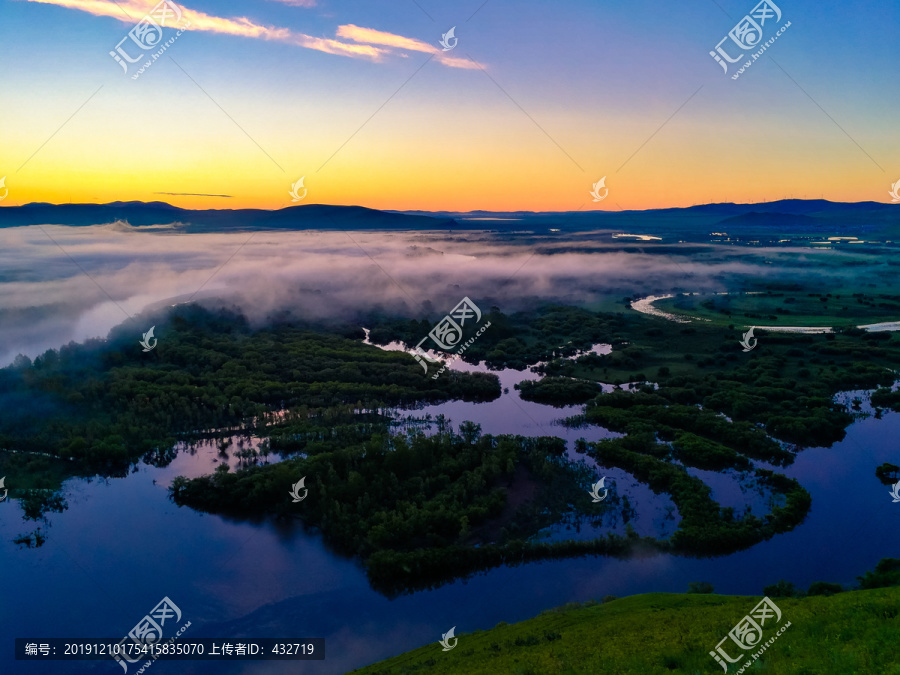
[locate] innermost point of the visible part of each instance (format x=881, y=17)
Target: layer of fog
x=72, y=283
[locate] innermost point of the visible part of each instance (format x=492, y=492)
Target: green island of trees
x=420, y=510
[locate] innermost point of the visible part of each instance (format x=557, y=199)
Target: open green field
x=656, y=633
x=801, y=306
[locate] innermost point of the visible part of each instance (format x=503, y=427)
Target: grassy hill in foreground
x=852, y=632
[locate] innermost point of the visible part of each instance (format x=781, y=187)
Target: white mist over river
x=59, y=284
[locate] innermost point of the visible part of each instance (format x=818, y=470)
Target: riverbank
x=664, y=633
x=648, y=306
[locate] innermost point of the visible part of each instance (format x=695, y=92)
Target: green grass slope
x=848, y=633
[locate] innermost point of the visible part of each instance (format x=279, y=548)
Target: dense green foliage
x=705, y=527
x=412, y=507
x=391, y=572
x=887, y=473
x=886, y=573
x=885, y=398
x=558, y=391
x=105, y=403
x=700, y=587
x=665, y=429
x=824, y=588
x=797, y=306
x=700, y=437
x=716, y=420
x=782, y=589
x=786, y=383
x=35, y=481
x=663, y=633
x=768, y=388
x=513, y=341
x=421, y=511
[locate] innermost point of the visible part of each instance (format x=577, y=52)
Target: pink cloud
x=392, y=40
x=364, y=42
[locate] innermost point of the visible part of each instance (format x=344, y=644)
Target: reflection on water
x=122, y=545
x=238, y=451
x=628, y=503
x=632, y=502
x=740, y=490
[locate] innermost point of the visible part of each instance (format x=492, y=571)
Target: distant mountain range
x=799, y=217
x=768, y=221
x=725, y=209
x=146, y=214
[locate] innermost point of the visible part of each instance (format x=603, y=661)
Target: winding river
x=122, y=545
x=647, y=306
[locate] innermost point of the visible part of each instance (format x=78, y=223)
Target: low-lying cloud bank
x=60, y=284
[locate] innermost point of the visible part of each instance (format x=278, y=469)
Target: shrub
x=700, y=587
x=887, y=573
x=783, y=589
x=824, y=588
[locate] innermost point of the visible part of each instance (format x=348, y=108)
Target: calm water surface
x=122, y=545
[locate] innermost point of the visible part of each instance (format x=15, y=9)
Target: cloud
x=377, y=37
x=459, y=62
x=382, y=38
x=191, y=194
x=48, y=298
x=337, y=47
x=378, y=44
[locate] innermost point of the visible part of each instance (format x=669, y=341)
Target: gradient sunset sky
x=537, y=101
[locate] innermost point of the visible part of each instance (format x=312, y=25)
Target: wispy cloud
x=191, y=194
x=384, y=39
x=364, y=42
x=377, y=37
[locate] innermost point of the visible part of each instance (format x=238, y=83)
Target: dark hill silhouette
x=766, y=221
x=145, y=214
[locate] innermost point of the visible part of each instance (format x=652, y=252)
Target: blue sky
x=549, y=99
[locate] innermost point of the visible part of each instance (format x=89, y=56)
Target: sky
x=535, y=103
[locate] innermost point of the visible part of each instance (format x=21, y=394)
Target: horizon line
x=405, y=211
